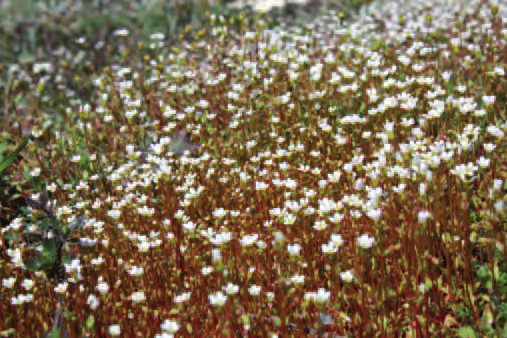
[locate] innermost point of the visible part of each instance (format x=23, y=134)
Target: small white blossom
x=347, y=276
x=114, y=330
x=218, y=299
x=294, y=249
x=254, y=290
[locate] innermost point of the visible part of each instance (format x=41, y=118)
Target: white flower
x=290, y=184
x=289, y=219
x=336, y=239
x=310, y=193
x=483, y=162
x=248, y=240
x=389, y=126
x=489, y=147
x=9, y=282
x=103, y=287
x=309, y=296
x=61, y=288
x=114, y=213
x=322, y=296
x=497, y=184
x=143, y=246
x=400, y=188
x=480, y=112
x=189, y=226
x=499, y=206
x=278, y=236
x=488, y=99
x=499, y=71
x=254, y=290
x=135, y=271
x=27, y=284
x=231, y=289
x=114, y=330
x=365, y=241
x=336, y=218
x=250, y=35
x=138, y=296
x=297, y=279
x=35, y=172
x=309, y=210
x=164, y=335
x=320, y=225
x=294, y=249
x=170, y=326
x=374, y=214
x=216, y=255
x=270, y=295
x=422, y=188
x=446, y=76
x=157, y=36
x=75, y=158
x=121, y=32
x=52, y=187
x=218, y=299
x=219, y=212
x=17, y=223
x=221, y=238
x=183, y=297
x=93, y=301
x=329, y=248
x=261, y=186
x=359, y=184
x=25, y=298
x=347, y=276
x=423, y=216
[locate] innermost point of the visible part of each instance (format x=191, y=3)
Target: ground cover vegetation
x=334, y=178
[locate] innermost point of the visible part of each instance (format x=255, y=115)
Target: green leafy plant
x=50, y=235
x=12, y=157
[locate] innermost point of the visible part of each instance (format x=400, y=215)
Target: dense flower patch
x=337, y=178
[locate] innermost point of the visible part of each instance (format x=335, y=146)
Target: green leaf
x=467, y=332
x=26, y=57
x=90, y=322
x=14, y=197
x=49, y=248
x=32, y=264
x=3, y=147
x=68, y=314
x=54, y=334
x=9, y=159
x=487, y=317
x=46, y=262
x=67, y=258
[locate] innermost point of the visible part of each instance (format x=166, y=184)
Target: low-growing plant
x=335, y=178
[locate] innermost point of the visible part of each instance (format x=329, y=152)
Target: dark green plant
x=51, y=235
x=12, y=157
x=493, y=300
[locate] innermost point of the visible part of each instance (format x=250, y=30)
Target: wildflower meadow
x=345, y=176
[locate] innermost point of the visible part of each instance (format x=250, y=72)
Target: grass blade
x=9, y=159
